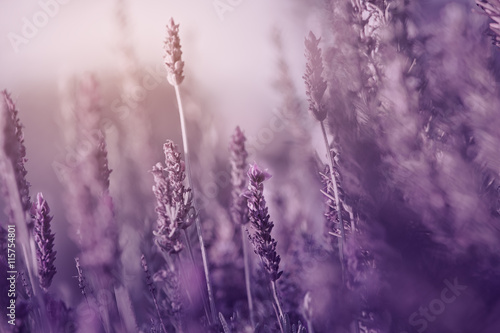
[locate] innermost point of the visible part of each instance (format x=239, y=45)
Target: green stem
x=158, y=312
x=191, y=254
x=185, y=278
x=310, y=328
x=176, y=258
x=247, y=277
x=213, y=317
x=355, y=326
x=278, y=305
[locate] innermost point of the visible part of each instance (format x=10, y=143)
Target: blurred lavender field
x=294, y=166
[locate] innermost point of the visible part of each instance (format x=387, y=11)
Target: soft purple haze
x=378, y=119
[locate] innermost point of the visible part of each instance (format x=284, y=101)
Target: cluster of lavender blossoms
x=173, y=200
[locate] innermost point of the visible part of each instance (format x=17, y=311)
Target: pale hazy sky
x=227, y=57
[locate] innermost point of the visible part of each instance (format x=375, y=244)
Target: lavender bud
x=315, y=85
x=44, y=241
x=173, y=54
x=264, y=244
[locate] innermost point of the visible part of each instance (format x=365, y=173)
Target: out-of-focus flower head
x=238, y=162
x=315, y=84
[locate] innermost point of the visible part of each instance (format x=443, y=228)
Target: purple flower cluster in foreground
x=263, y=242
x=173, y=199
x=382, y=215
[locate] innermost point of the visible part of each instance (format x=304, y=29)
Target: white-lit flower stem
x=213, y=312
x=278, y=305
x=246, y=262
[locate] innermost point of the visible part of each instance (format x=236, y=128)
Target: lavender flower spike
x=264, y=244
x=315, y=89
x=315, y=84
x=239, y=209
x=173, y=54
x=44, y=241
x=174, y=200
x=14, y=147
x=238, y=161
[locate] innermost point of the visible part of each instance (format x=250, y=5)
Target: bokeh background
x=232, y=64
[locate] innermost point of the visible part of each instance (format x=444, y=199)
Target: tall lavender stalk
x=315, y=89
x=87, y=182
x=238, y=160
x=15, y=189
x=175, y=66
x=84, y=289
x=239, y=209
x=133, y=144
x=264, y=244
x=44, y=241
x=15, y=150
x=91, y=208
x=174, y=207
